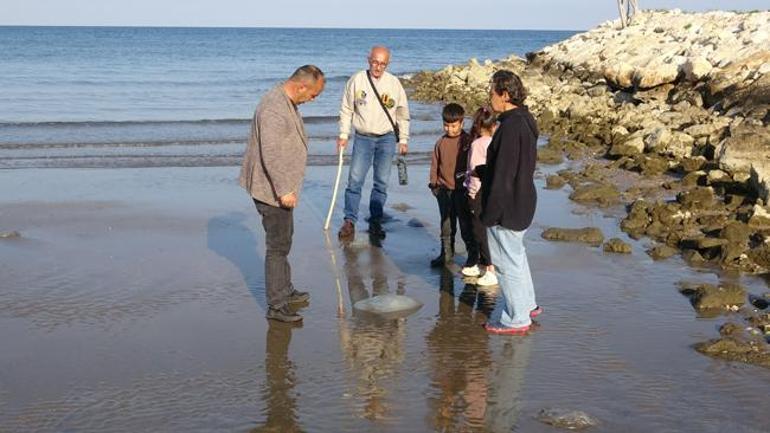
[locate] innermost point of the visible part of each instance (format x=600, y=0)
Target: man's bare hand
x=341, y=143
x=403, y=148
x=289, y=200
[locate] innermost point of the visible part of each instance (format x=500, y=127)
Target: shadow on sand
x=229, y=236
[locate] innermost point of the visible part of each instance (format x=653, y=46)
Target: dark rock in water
x=708, y=243
x=697, y=198
x=401, y=207
x=689, y=165
x=589, y=235
x=711, y=297
x=760, y=302
x=566, y=419
x=732, y=348
x=694, y=178
x=595, y=172
x=730, y=329
x=10, y=235
x=651, y=165
x=661, y=252
x=736, y=232
x=693, y=257
x=733, y=256
x=637, y=220
x=550, y=155
x=712, y=222
x=620, y=150
x=761, y=321
x=555, y=181
x=414, y=222
x=602, y=194
x=668, y=214
x=616, y=245
x=761, y=256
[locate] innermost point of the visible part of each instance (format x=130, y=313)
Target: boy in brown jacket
x=447, y=172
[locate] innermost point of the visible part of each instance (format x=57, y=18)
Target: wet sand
x=134, y=301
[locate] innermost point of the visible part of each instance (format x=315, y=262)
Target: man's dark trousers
x=279, y=229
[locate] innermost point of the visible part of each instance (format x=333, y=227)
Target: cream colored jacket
x=360, y=109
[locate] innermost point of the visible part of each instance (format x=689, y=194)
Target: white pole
x=340, y=306
x=334, y=194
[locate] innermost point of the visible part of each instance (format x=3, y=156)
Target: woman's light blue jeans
x=517, y=293
x=368, y=152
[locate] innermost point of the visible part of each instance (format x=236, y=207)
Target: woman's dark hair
x=506, y=81
x=483, y=118
x=452, y=112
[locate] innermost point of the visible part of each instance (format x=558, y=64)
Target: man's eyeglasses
x=378, y=63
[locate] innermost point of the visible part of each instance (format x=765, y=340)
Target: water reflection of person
x=278, y=391
x=506, y=380
x=373, y=347
x=460, y=359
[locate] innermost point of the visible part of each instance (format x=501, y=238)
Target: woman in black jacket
x=509, y=199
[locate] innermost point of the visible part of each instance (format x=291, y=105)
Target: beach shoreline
x=132, y=295
x=134, y=298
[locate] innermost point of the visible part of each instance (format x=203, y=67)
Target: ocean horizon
x=83, y=96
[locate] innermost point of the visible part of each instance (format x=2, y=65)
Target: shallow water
x=118, y=97
x=134, y=301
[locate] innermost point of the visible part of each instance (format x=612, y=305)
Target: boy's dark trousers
x=446, y=210
x=465, y=220
x=479, y=230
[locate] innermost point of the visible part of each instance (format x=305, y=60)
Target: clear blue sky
x=494, y=14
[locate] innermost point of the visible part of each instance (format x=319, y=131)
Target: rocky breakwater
x=680, y=95
x=681, y=100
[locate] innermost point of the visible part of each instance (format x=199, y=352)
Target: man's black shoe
x=375, y=241
x=375, y=229
x=283, y=314
x=297, y=297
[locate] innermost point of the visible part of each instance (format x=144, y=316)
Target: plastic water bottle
x=403, y=178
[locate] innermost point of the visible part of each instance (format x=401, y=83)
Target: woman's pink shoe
x=536, y=312
x=505, y=330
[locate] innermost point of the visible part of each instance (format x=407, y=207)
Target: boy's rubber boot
x=446, y=256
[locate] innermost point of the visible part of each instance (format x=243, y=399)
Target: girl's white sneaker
x=488, y=279
x=471, y=271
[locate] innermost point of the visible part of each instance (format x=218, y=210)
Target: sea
x=172, y=97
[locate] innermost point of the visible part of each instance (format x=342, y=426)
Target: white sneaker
x=488, y=279
x=471, y=271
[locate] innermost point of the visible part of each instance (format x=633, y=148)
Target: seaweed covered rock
x=566, y=418
x=602, y=194
x=589, y=235
x=736, y=348
x=711, y=297
x=555, y=181
x=662, y=252
x=617, y=246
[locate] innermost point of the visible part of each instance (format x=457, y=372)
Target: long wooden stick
x=334, y=194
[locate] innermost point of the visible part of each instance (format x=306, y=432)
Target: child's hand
x=434, y=189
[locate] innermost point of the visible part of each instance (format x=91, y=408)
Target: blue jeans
x=367, y=152
x=517, y=293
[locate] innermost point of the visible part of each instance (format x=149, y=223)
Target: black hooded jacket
x=508, y=194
